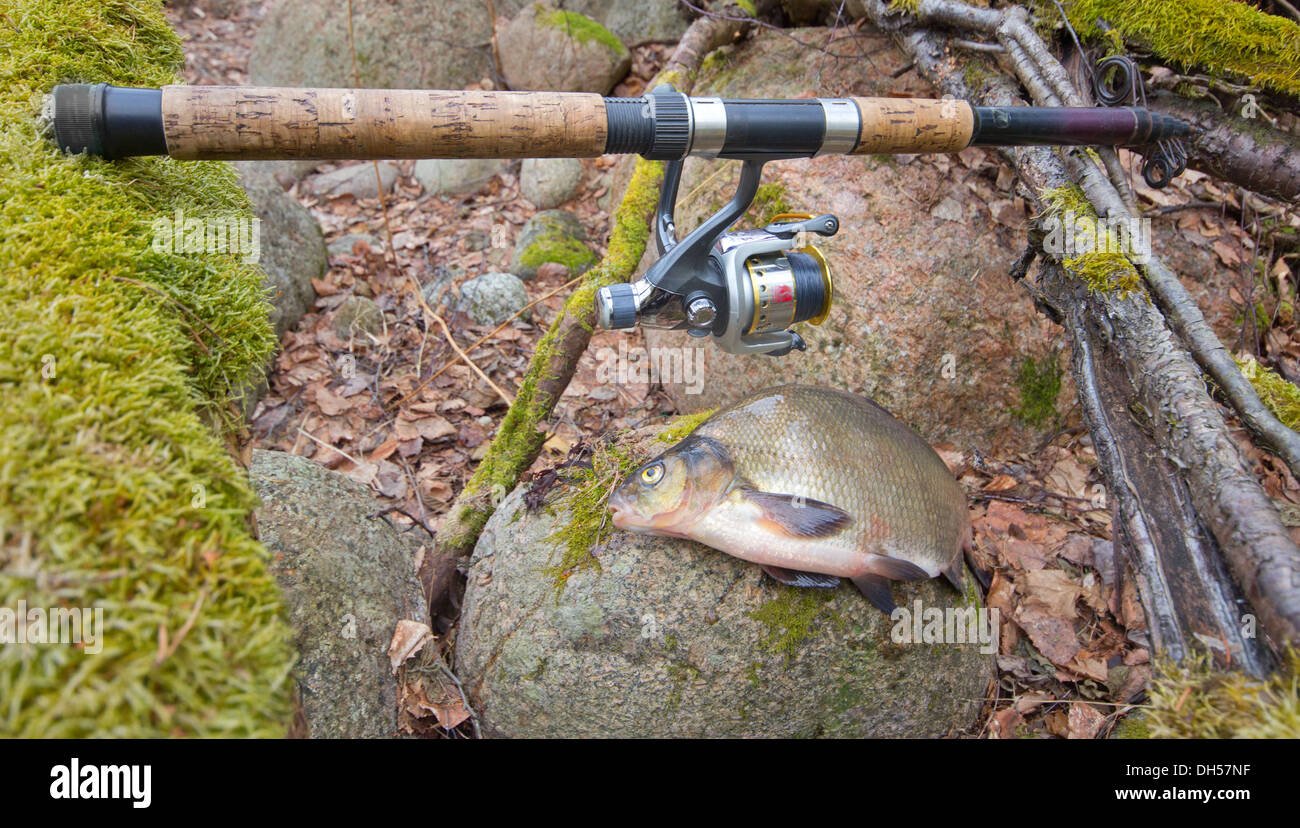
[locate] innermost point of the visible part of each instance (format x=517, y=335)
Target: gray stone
x=357, y=316
x=347, y=578
x=491, y=298
x=549, y=182
x=456, y=175
x=356, y=180
x=670, y=638
x=342, y=246
x=292, y=246
x=548, y=49
x=635, y=22
x=292, y=253
x=551, y=236
x=400, y=44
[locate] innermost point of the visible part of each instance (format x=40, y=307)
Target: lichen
x=1039, y=382
x=1225, y=38
x=1195, y=701
x=580, y=27
x=909, y=6
x=1280, y=396
x=1100, y=261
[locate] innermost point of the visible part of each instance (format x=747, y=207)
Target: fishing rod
x=743, y=288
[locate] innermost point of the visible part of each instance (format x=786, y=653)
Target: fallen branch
x=1184, y=597
x=1246, y=153
x=518, y=440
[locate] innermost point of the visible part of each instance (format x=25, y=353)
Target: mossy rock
x=552, y=236
x=116, y=367
x=348, y=577
x=545, y=48
x=663, y=637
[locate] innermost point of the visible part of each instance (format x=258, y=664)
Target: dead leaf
x=331, y=404
x=1051, y=590
x=408, y=639
x=1001, y=483
x=1084, y=721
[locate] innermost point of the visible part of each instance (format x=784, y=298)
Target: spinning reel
x=745, y=288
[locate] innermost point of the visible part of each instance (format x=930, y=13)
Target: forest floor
x=413, y=421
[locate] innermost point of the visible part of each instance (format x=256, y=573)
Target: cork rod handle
x=250, y=122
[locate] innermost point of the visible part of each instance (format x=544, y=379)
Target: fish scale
x=826, y=447
x=845, y=450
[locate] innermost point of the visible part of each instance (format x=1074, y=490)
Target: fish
x=811, y=483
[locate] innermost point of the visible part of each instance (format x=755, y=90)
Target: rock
x=357, y=316
x=551, y=236
x=343, y=245
x=437, y=292
x=347, y=578
x=549, y=182
x=490, y=299
x=454, y=175
x=561, y=51
x=669, y=638
x=292, y=246
x=926, y=320
x=356, y=180
x=636, y=22
x=292, y=253
x=400, y=44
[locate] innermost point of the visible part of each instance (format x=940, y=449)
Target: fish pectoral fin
x=876, y=589
x=796, y=516
x=799, y=578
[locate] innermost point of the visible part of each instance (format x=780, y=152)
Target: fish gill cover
x=116, y=370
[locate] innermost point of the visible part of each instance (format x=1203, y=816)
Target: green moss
x=115, y=492
x=1134, y=725
x=1281, y=397
x=1039, y=382
x=580, y=27
x=789, y=616
x=1102, y=265
x=977, y=73
x=565, y=250
x=909, y=6
x=586, y=494
x=1194, y=701
x=682, y=426
x=1225, y=38
x=519, y=438
x=769, y=202
x=747, y=6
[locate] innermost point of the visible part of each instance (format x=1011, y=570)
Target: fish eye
x=651, y=475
